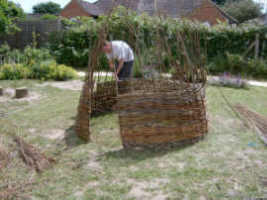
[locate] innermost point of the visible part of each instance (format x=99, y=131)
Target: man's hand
x=116, y=77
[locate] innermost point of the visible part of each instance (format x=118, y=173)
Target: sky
x=28, y=4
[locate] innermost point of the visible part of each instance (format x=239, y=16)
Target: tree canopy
x=219, y=2
x=243, y=10
x=9, y=11
x=46, y=8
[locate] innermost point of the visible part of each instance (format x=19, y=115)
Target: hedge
x=72, y=46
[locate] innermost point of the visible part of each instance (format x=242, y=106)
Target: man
x=120, y=52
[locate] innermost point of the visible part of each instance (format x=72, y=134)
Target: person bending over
x=121, y=58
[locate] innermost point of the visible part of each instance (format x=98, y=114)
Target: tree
x=47, y=8
x=219, y=2
x=243, y=10
x=9, y=11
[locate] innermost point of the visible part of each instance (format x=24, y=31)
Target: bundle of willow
x=4, y=158
x=32, y=156
x=160, y=112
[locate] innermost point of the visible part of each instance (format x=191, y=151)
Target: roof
x=172, y=8
x=231, y=19
x=91, y=8
x=263, y=19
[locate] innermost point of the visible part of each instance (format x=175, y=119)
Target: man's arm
x=121, y=62
x=112, y=68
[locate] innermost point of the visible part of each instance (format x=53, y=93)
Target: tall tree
x=219, y=2
x=47, y=8
x=243, y=10
x=9, y=11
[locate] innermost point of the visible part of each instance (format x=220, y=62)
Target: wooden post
x=1, y=91
x=263, y=48
x=257, y=46
x=21, y=93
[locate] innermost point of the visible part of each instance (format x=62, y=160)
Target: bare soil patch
x=66, y=85
x=140, y=189
x=54, y=134
x=9, y=95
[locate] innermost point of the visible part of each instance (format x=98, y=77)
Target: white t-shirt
x=121, y=50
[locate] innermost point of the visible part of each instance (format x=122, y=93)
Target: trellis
x=158, y=108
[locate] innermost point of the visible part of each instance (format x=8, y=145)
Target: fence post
x=263, y=48
x=257, y=46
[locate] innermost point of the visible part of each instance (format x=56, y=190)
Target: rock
x=21, y=93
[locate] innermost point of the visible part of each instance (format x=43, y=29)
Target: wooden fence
x=24, y=37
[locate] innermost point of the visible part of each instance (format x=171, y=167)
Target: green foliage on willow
x=142, y=31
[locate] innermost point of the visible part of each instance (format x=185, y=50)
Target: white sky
x=264, y=3
x=28, y=4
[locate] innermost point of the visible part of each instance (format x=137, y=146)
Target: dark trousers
x=126, y=71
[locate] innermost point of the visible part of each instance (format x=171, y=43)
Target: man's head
x=107, y=48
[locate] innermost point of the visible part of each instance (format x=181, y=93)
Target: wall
x=73, y=9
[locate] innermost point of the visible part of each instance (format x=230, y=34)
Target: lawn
x=230, y=163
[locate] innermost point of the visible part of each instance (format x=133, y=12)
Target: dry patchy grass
x=230, y=163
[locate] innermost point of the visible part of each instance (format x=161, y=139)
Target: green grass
x=223, y=166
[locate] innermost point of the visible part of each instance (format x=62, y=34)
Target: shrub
x=14, y=72
x=243, y=10
x=137, y=73
x=228, y=80
x=257, y=68
x=34, y=55
x=50, y=70
x=29, y=55
x=72, y=46
x=49, y=17
x=238, y=65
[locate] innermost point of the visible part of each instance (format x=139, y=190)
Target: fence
x=12, y=59
x=25, y=36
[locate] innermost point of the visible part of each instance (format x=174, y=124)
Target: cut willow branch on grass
x=32, y=156
x=178, y=101
x=254, y=121
x=13, y=191
x=4, y=158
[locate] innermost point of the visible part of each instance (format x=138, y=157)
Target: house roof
x=263, y=19
x=172, y=8
x=91, y=8
x=231, y=19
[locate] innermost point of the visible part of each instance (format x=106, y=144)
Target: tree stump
x=21, y=93
x=1, y=91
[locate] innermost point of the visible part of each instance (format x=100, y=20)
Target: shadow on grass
x=133, y=155
x=71, y=139
x=102, y=114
